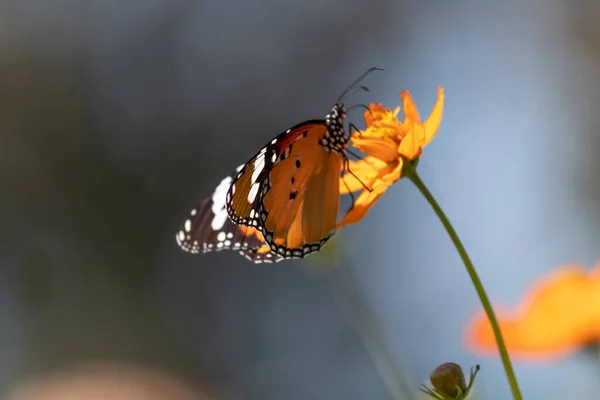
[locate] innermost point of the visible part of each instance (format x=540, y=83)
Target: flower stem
x=512, y=379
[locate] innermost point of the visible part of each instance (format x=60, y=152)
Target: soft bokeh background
x=117, y=117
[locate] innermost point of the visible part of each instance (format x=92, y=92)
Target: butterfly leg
x=347, y=168
x=352, y=128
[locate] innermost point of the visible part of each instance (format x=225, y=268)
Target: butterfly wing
x=299, y=208
x=208, y=228
x=251, y=182
x=289, y=190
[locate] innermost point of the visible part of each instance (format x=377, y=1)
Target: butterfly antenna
x=366, y=107
x=353, y=87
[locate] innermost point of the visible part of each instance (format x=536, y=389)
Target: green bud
x=449, y=382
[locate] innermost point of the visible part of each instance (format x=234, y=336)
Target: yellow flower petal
x=409, y=146
x=361, y=207
x=366, y=170
x=419, y=135
x=410, y=110
x=387, y=176
x=381, y=148
x=432, y=123
x=377, y=112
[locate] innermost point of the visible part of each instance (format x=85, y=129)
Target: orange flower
x=387, y=143
x=560, y=313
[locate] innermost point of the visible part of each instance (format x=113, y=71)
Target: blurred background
x=117, y=117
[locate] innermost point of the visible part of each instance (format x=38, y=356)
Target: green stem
x=512, y=379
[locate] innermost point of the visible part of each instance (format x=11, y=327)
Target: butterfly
x=283, y=203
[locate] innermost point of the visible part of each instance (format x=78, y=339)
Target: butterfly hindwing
x=208, y=228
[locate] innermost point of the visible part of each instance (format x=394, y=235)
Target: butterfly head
x=335, y=138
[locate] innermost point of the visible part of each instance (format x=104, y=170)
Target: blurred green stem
x=512, y=379
x=355, y=305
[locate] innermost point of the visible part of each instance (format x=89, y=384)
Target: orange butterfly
x=287, y=194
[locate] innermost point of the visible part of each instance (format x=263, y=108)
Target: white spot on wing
x=221, y=236
x=218, y=204
x=259, y=164
x=187, y=225
x=252, y=193
x=193, y=212
x=219, y=220
x=181, y=236
x=274, y=141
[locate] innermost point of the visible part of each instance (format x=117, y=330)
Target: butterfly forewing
x=300, y=205
x=251, y=183
x=320, y=211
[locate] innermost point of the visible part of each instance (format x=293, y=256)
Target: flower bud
x=449, y=380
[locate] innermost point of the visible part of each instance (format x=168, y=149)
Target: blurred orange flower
x=387, y=143
x=559, y=314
